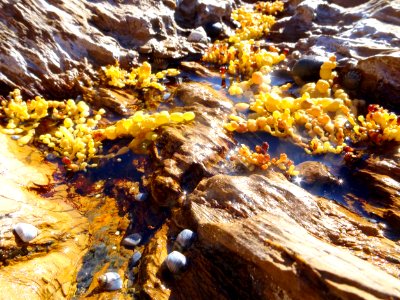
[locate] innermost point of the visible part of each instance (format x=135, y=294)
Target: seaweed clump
x=78, y=135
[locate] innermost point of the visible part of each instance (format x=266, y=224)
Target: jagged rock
x=201, y=12
x=190, y=152
x=47, y=266
x=198, y=35
x=380, y=178
x=262, y=237
x=315, y=173
x=364, y=31
x=44, y=45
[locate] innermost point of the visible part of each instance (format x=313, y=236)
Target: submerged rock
x=315, y=173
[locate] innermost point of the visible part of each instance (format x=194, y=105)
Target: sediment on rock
x=46, y=266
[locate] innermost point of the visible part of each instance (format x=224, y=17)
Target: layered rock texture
x=259, y=236
x=364, y=35
x=262, y=237
x=46, y=44
x=46, y=267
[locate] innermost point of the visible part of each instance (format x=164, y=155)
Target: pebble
x=141, y=197
x=307, y=68
x=214, y=30
x=198, y=35
x=135, y=259
x=26, y=232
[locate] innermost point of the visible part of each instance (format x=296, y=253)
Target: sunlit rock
x=47, y=266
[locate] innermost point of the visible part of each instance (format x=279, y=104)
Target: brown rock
x=315, y=173
x=44, y=46
x=189, y=152
x=151, y=266
x=47, y=266
x=381, y=78
x=285, y=240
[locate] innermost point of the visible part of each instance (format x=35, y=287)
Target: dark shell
x=135, y=259
x=307, y=68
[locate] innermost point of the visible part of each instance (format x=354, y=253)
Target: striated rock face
x=264, y=238
x=260, y=236
x=46, y=267
x=187, y=153
x=382, y=172
x=44, y=45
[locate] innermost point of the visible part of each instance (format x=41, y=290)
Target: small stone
x=26, y=232
x=307, y=69
x=132, y=240
x=198, y=35
x=15, y=137
x=214, y=30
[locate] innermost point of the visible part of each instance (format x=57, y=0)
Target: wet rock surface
x=262, y=237
x=190, y=152
x=46, y=266
x=258, y=236
x=364, y=36
x=316, y=173
x=380, y=175
x=46, y=45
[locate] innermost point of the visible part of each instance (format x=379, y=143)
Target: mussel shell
x=26, y=232
x=214, y=30
x=110, y=281
x=132, y=240
x=307, y=68
x=135, y=259
x=141, y=197
x=185, y=238
x=176, y=262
